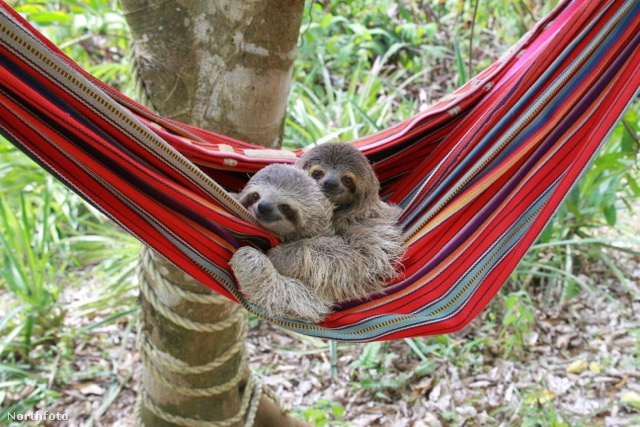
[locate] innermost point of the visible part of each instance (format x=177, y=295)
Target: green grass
x=53, y=245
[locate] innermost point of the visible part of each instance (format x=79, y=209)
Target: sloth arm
x=375, y=238
x=323, y=263
x=353, y=265
x=379, y=242
x=276, y=294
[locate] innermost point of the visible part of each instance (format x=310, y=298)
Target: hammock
x=478, y=174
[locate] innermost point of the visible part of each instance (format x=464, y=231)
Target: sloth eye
x=348, y=181
x=254, y=197
x=285, y=208
x=317, y=174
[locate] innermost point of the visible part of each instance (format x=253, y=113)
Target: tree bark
x=223, y=65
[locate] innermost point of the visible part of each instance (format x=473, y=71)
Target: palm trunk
x=223, y=65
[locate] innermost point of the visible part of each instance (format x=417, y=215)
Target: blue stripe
x=570, y=87
x=496, y=130
x=428, y=315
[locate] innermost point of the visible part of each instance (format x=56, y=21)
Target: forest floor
x=579, y=364
x=576, y=363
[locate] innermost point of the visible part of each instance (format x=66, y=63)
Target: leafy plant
x=517, y=322
x=540, y=411
x=93, y=32
x=372, y=367
x=29, y=270
x=50, y=240
x=324, y=412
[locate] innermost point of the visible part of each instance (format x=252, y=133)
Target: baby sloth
x=312, y=268
x=368, y=225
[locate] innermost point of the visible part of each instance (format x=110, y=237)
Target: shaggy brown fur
x=347, y=179
x=312, y=267
x=286, y=202
x=368, y=225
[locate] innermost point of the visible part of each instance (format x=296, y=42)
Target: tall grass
x=52, y=244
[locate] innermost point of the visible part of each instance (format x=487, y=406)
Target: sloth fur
x=313, y=267
x=368, y=225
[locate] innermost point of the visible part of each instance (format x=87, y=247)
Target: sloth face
x=288, y=202
x=275, y=212
x=339, y=186
x=343, y=174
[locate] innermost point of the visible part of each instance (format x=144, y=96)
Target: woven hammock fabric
x=479, y=174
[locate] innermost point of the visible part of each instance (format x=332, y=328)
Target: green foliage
x=50, y=240
x=36, y=391
x=462, y=354
x=610, y=186
x=372, y=365
x=324, y=412
x=27, y=238
x=517, y=321
x=92, y=32
x=540, y=412
x=370, y=357
x=357, y=64
x=345, y=33
x=369, y=103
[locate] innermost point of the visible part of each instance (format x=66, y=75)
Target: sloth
x=368, y=224
x=312, y=267
x=346, y=178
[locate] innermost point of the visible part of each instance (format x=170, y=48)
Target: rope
x=192, y=391
x=153, y=358
x=159, y=280
x=250, y=401
x=172, y=364
x=150, y=294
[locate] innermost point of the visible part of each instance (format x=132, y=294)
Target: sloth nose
x=265, y=208
x=330, y=184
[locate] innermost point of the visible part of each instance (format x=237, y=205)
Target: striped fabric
x=478, y=174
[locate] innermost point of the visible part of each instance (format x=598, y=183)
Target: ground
x=575, y=362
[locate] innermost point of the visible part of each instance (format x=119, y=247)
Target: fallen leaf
x=578, y=366
x=631, y=398
x=539, y=397
x=595, y=367
x=622, y=383
x=422, y=387
x=90, y=388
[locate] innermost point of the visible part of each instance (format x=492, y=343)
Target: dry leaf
x=541, y=397
x=578, y=366
x=90, y=388
x=631, y=398
x=595, y=367
x=423, y=387
x=622, y=382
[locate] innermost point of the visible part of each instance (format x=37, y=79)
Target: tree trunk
x=223, y=65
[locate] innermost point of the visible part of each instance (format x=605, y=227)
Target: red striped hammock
x=478, y=174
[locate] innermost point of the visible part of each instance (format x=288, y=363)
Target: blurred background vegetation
x=362, y=66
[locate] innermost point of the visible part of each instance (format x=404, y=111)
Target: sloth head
x=343, y=174
x=286, y=201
